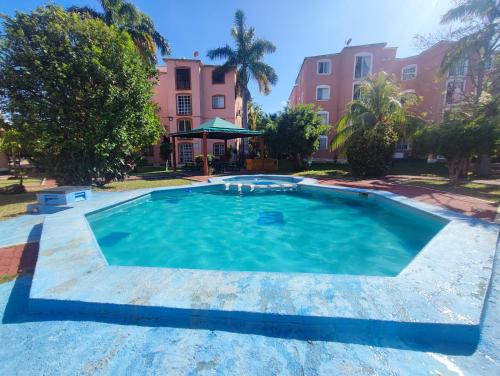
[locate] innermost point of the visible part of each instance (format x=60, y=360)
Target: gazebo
x=218, y=129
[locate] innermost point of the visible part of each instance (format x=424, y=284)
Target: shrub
x=368, y=154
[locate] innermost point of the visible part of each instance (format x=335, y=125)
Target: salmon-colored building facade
x=331, y=82
x=188, y=93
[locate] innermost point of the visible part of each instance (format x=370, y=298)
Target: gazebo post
x=261, y=153
x=174, y=159
x=205, y=159
x=225, y=148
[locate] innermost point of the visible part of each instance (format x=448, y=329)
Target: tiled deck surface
x=30, y=345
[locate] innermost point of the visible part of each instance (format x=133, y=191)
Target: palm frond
x=340, y=138
x=225, y=52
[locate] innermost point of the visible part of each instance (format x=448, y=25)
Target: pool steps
x=258, y=187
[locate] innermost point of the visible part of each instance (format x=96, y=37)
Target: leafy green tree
x=78, y=93
x=295, y=133
x=458, y=138
x=256, y=117
x=125, y=15
x=380, y=116
x=246, y=59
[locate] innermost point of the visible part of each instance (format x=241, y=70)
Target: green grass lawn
x=7, y=278
x=12, y=205
x=139, y=183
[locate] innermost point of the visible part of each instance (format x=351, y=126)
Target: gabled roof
x=218, y=128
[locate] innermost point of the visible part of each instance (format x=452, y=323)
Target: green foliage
x=295, y=133
x=246, y=60
x=125, y=16
x=368, y=153
x=78, y=92
x=458, y=138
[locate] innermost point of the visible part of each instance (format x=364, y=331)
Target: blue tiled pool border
x=439, y=295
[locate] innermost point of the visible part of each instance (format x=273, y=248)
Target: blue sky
x=298, y=28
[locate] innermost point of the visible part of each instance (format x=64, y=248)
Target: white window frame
x=329, y=67
x=446, y=91
x=219, y=145
x=182, y=154
x=409, y=66
x=323, y=87
x=327, y=115
x=183, y=104
x=214, y=101
x=362, y=54
x=325, y=139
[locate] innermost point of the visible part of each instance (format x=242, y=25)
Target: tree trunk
x=244, y=119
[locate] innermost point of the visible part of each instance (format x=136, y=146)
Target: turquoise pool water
x=310, y=232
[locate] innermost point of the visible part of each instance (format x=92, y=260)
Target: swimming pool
x=303, y=231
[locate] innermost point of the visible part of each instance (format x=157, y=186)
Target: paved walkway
x=18, y=259
x=470, y=206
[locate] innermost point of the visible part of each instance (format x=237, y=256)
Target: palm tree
x=480, y=38
x=138, y=25
x=246, y=59
x=382, y=108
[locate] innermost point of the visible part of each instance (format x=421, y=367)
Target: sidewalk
x=470, y=206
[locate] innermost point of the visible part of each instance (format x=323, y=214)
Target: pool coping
x=440, y=294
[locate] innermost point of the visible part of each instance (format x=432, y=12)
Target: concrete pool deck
x=435, y=297
x=110, y=345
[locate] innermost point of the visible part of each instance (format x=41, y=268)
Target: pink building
x=331, y=81
x=189, y=93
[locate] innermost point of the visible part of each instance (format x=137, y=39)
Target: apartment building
x=189, y=93
x=331, y=81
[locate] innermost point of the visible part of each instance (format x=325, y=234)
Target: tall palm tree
x=382, y=108
x=246, y=59
x=480, y=38
x=138, y=25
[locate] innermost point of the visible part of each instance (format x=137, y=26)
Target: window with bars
x=409, y=72
x=186, y=153
x=219, y=149
x=362, y=66
x=458, y=68
x=183, y=79
x=454, y=91
x=218, y=101
x=218, y=77
x=183, y=105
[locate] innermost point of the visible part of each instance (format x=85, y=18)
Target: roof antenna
x=348, y=42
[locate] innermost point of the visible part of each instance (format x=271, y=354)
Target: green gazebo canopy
x=219, y=129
